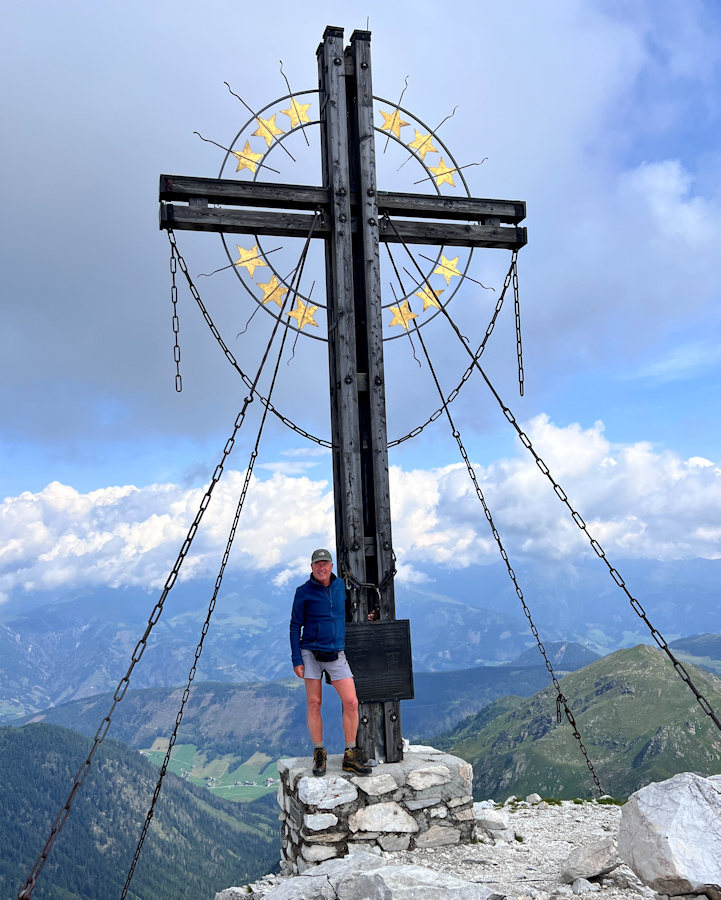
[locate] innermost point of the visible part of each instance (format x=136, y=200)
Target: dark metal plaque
x=379, y=654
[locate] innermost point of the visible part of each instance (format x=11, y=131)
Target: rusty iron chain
x=517, y=310
x=176, y=321
x=601, y=553
x=351, y=580
x=231, y=358
x=576, y=516
x=561, y=700
x=469, y=371
x=26, y=891
x=295, y=284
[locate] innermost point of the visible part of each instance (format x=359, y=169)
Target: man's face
x=322, y=571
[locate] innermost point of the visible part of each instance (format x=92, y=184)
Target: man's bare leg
x=314, y=698
x=347, y=694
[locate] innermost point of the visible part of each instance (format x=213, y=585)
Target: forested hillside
x=197, y=844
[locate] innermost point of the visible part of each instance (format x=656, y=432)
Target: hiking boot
x=353, y=762
x=319, y=760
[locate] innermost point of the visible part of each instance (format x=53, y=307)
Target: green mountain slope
x=239, y=720
x=638, y=720
x=701, y=650
x=197, y=844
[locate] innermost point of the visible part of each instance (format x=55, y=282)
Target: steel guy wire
x=577, y=518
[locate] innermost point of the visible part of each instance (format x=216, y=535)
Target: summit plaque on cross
x=353, y=219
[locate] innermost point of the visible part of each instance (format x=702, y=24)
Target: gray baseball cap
x=320, y=556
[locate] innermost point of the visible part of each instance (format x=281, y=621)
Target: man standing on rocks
x=317, y=644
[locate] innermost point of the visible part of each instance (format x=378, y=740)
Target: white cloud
x=637, y=502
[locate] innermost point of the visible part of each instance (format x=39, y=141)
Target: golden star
x=297, y=113
x=393, y=122
x=273, y=291
x=251, y=259
x=267, y=129
x=247, y=159
x=429, y=297
x=423, y=144
x=303, y=315
x=442, y=173
x=448, y=268
x=402, y=315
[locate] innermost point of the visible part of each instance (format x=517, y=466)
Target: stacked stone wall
x=422, y=802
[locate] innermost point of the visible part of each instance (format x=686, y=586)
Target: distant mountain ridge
x=638, y=720
x=58, y=647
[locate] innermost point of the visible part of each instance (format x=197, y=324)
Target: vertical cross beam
x=355, y=348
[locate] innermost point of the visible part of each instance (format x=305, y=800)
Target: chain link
x=476, y=356
x=352, y=582
x=517, y=309
x=561, y=700
x=27, y=889
x=176, y=321
x=291, y=294
x=577, y=518
x=232, y=360
x=601, y=553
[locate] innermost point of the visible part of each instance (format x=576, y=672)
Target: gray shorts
x=337, y=669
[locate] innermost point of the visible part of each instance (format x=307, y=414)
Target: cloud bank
x=636, y=501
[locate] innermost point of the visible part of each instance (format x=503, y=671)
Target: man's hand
x=299, y=671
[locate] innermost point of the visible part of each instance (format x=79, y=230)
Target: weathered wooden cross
x=352, y=229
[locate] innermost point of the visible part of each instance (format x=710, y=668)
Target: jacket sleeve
x=297, y=617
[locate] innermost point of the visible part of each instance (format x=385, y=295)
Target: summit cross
x=354, y=220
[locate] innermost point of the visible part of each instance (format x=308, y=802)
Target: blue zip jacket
x=320, y=613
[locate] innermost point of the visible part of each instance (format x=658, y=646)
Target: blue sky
x=603, y=116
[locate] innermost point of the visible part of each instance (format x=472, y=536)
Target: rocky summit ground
x=527, y=868
x=532, y=867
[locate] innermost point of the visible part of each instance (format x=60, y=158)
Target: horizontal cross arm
x=292, y=224
x=182, y=188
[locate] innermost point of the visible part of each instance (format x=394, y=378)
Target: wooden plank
x=341, y=319
x=453, y=235
x=182, y=188
x=243, y=193
x=289, y=224
x=240, y=221
x=465, y=208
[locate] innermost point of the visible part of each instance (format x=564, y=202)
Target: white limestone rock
x=394, y=842
x=383, y=817
x=328, y=837
x=326, y=792
x=319, y=821
x=459, y=801
x=464, y=815
x=591, y=860
x=438, y=836
x=533, y=799
x=318, y=852
x=414, y=882
x=670, y=835
x=430, y=776
x=492, y=819
x=375, y=785
x=423, y=803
